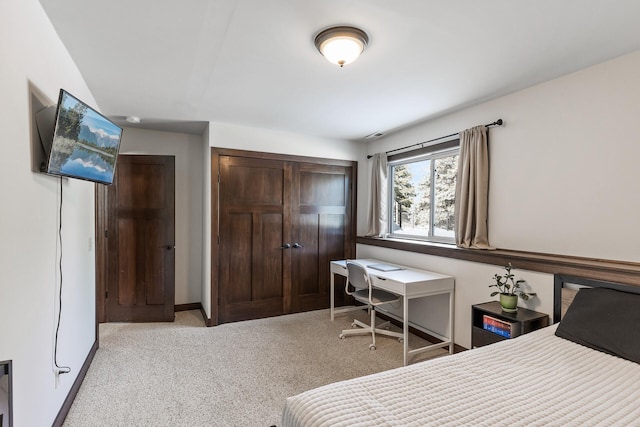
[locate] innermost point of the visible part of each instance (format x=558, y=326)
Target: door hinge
x=218, y=239
x=106, y=233
x=218, y=178
x=106, y=295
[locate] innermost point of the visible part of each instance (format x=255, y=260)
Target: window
x=422, y=196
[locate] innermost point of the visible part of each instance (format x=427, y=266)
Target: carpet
x=235, y=374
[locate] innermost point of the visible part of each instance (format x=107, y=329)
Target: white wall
x=189, y=178
x=206, y=225
x=563, y=168
x=31, y=52
x=563, y=176
x=238, y=137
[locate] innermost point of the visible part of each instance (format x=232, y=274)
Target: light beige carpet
x=236, y=374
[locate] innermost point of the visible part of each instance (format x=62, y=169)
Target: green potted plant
x=509, y=290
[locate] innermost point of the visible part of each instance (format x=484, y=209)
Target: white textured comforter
x=551, y=382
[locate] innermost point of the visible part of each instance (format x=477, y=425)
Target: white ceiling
x=177, y=64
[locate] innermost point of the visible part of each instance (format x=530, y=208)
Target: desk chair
x=372, y=297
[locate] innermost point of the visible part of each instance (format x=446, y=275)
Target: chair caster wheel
x=372, y=347
x=342, y=336
x=353, y=325
x=400, y=339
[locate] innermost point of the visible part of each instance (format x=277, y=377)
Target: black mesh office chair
x=365, y=293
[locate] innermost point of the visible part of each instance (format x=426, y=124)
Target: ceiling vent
x=374, y=135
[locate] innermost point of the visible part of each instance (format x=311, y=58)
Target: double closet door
x=280, y=220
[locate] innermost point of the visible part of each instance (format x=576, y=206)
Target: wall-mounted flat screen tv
x=85, y=143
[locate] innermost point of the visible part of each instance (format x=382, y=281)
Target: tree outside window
x=423, y=196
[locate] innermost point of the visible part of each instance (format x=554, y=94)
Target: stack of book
x=496, y=326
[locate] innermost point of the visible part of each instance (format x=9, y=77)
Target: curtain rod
x=498, y=122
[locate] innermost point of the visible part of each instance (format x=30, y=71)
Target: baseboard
x=207, y=321
x=66, y=405
x=417, y=332
x=187, y=307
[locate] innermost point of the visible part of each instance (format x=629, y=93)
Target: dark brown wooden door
x=280, y=223
x=254, y=225
x=321, y=222
x=140, y=240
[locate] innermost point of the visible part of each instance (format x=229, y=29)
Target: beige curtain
x=377, y=221
x=472, y=190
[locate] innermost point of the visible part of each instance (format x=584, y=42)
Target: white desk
x=409, y=283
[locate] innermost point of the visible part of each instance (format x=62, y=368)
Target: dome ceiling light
x=341, y=45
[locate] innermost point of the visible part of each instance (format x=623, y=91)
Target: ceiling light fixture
x=341, y=45
x=133, y=119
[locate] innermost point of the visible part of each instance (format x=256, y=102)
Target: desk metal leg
x=451, y=318
x=405, y=327
x=333, y=292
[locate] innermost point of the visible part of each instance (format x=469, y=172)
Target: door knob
x=297, y=245
x=169, y=247
x=285, y=246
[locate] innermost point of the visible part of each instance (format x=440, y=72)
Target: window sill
x=591, y=268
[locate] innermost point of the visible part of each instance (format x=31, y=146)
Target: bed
x=587, y=376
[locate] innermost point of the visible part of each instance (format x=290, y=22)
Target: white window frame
x=431, y=156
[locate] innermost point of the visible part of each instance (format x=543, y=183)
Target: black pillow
x=605, y=320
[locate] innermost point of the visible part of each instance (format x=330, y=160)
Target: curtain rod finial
x=499, y=122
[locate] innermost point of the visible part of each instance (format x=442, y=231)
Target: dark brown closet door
x=141, y=211
x=279, y=221
x=254, y=278
x=321, y=215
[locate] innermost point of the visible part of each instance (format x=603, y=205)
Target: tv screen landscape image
x=85, y=143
